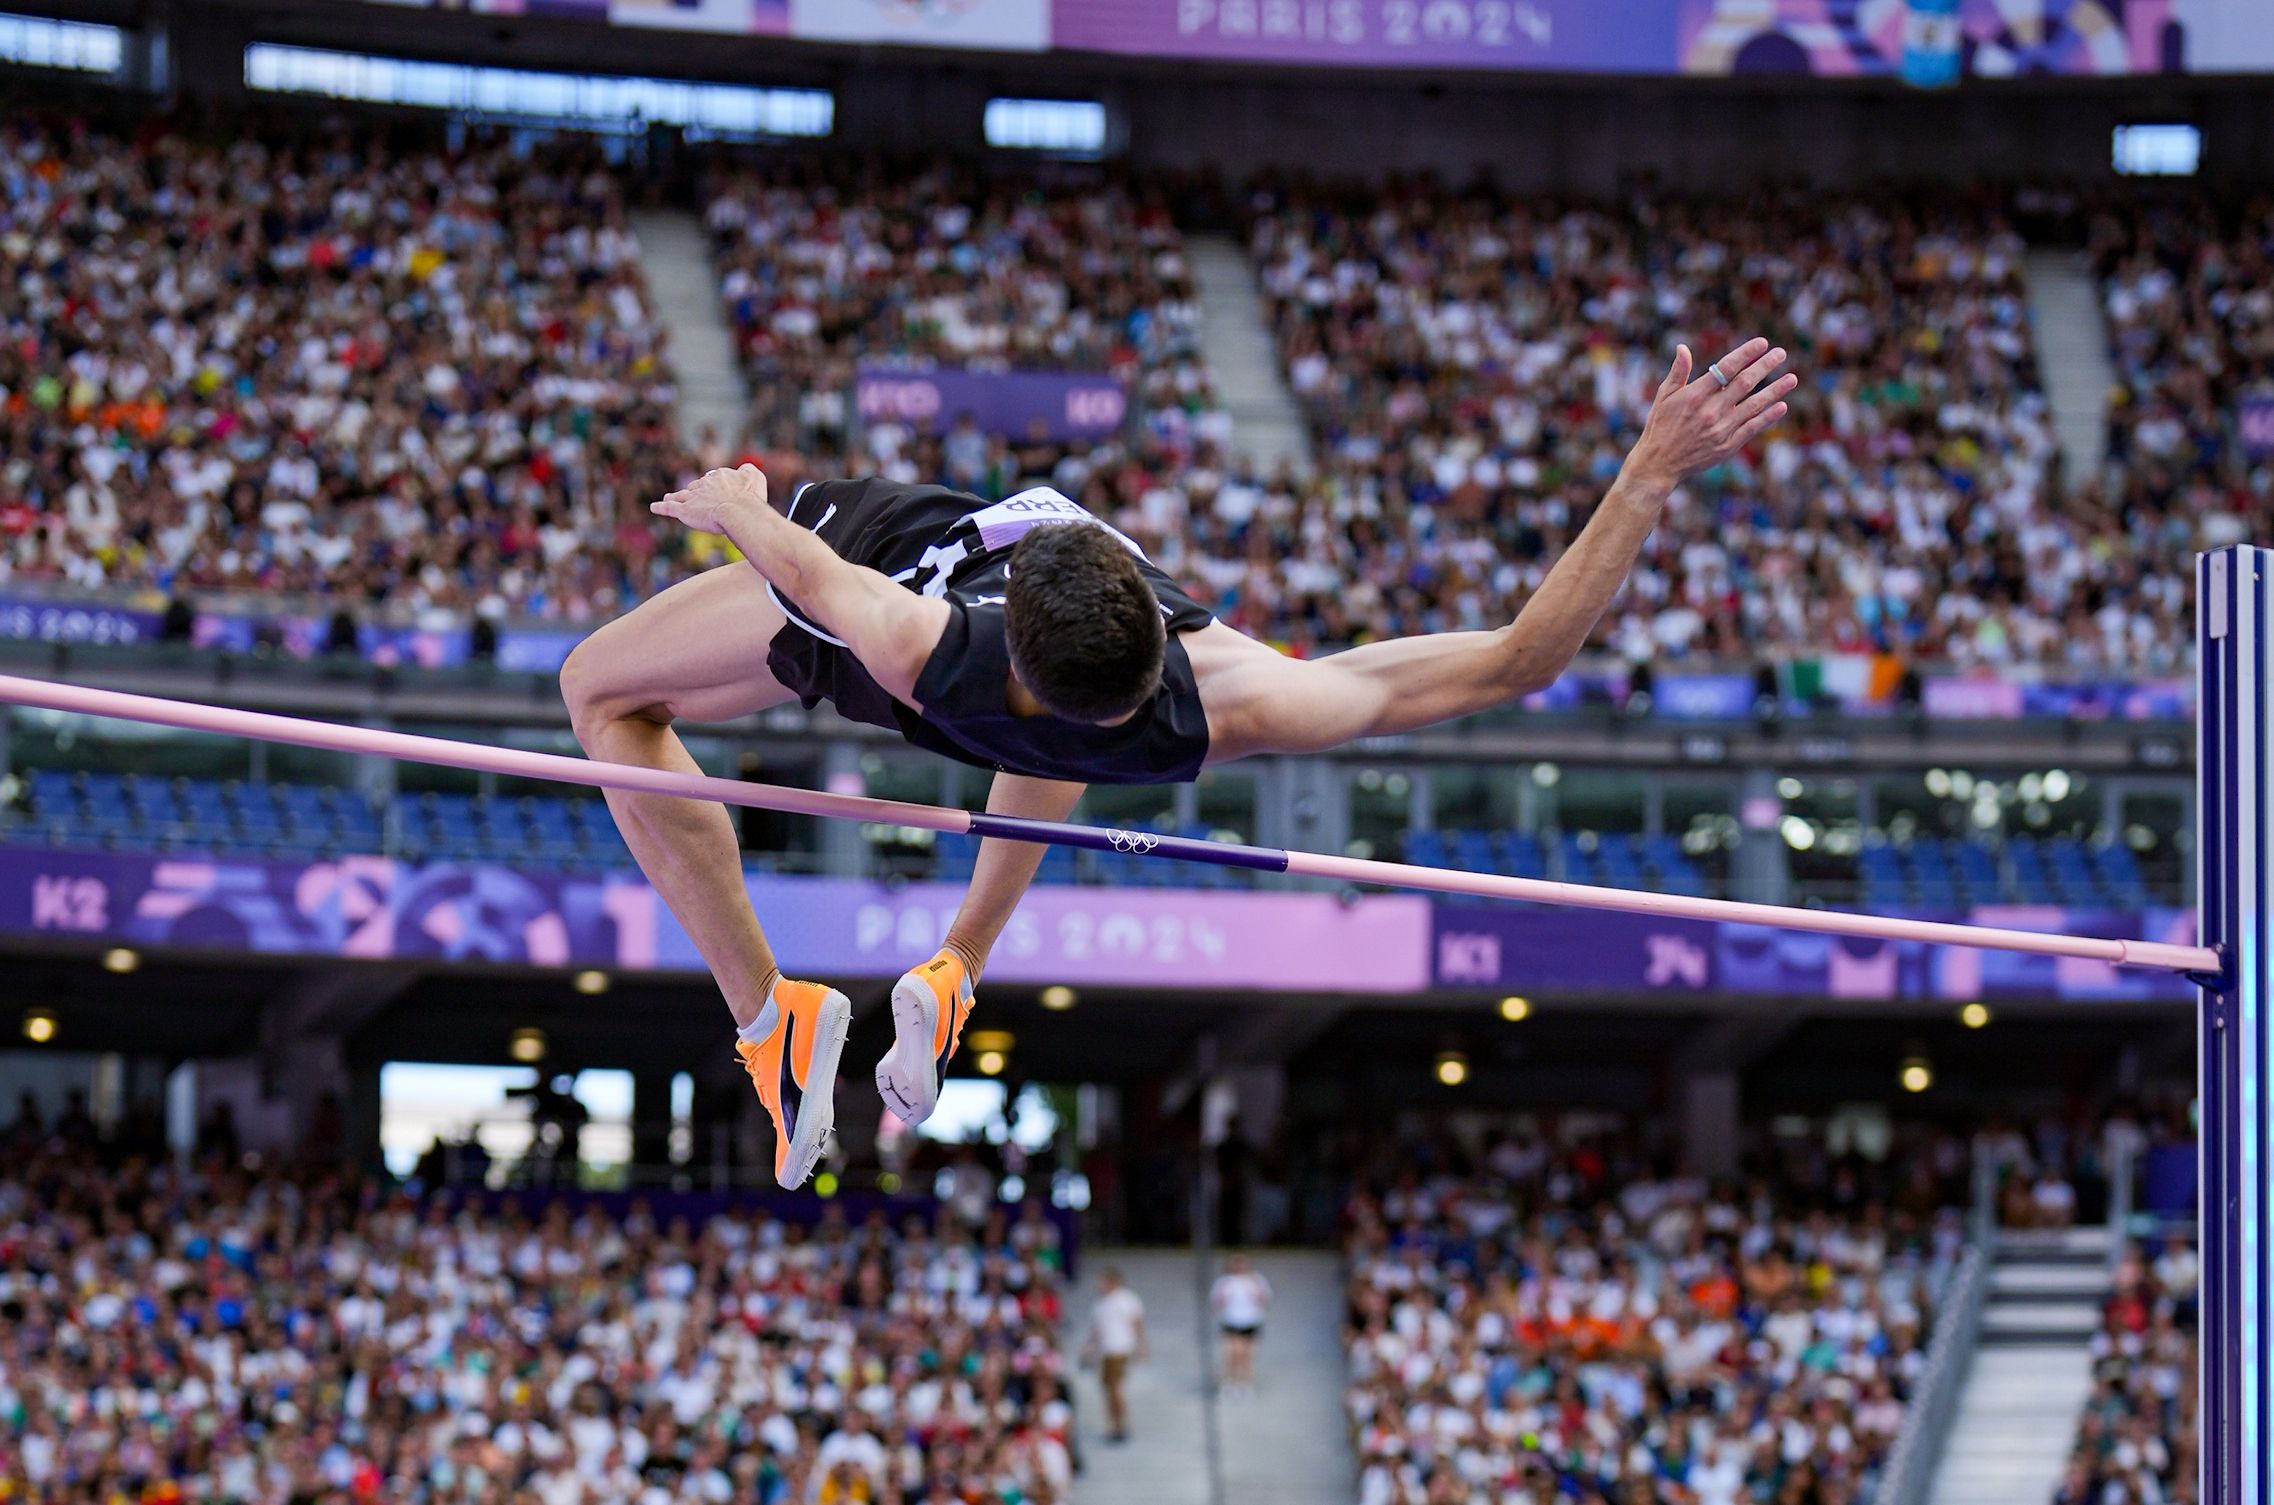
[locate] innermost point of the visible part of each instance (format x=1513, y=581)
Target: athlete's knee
x=595, y=686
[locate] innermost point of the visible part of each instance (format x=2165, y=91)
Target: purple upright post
x=2235, y=724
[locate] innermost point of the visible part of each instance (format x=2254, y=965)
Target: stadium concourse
x=375, y=1138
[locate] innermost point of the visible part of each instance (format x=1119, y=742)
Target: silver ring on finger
x=1718, y=374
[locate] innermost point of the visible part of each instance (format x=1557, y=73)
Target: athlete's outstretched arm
x=1005, y=868
x=890, y=629
x=1259, y=701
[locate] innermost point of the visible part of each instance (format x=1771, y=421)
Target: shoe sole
x=911, y=1094
x=817, y=1112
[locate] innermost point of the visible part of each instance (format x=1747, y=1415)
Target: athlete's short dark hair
x=1082, y=622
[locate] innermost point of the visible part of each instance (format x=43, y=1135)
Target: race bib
x=1008, y=521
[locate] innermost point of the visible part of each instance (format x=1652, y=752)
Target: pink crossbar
x=410, y=747
x=2155, y=954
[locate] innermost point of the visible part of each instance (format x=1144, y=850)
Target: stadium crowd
x=327, y=368
x=1567, y=1320
x=214, y=1335
x=1475, y=365
x=432, y=378
x=2187, y=282
x=826, y=269
x=2136, y=1442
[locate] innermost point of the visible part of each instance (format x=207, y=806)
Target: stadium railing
x=1933, y=1407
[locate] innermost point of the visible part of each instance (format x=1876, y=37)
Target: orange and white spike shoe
x=795, y=1072
x=929, y=1008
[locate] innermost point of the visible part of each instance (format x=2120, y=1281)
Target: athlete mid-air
x=1028, y=637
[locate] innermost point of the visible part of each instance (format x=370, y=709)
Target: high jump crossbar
x=410, y=747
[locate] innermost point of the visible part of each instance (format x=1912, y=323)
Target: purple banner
x=375, y=907
x=1064, y=404
x=30, y=619
x=1548, y=950
x=1633, y=36
x=65, y=622
x=2254, y=424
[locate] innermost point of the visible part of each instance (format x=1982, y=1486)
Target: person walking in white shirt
x=1116, y=1339
x=1241, y=1299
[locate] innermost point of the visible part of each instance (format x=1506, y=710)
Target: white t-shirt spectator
x=1116, y=1322
x=1241, y=1298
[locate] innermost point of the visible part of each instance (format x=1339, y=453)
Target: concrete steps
x=2016, y=1423
x=2072, y=350
x=1282, y=1445
x=1267, y=423
x=675, y=255
x=2031, y=1370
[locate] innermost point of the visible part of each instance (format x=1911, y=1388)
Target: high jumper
x=1032, y=639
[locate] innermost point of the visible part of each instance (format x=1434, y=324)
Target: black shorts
x=1236, y=1330
x=868, y=522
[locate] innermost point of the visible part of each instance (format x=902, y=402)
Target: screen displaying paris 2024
x=1927, y=41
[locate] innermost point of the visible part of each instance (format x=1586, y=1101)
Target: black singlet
x=956, y=546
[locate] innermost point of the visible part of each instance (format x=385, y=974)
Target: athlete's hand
x=1695, y=425
x=706, y=502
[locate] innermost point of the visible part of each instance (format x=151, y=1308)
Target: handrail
x=1933, y=1407
x=2122, y=1166
x=1982, y=1216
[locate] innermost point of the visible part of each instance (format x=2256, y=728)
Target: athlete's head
x=1083, y=625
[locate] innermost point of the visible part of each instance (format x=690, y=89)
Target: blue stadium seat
x=498, y=834
x=1522, y=855
x=1473, y=853
x=1620, y=860
x=2072, y=872
x=2120, y=875
x=604, y=847
x=1977, y=868
x=309, y=824
x=1578, y=863
x=52, y=794
x=1670, y=868
x=549, y=827
x=205, y=815
x=1425, y=849
x=259, y=823
x=2031, y=883
x=360, y=828
x=953, y=856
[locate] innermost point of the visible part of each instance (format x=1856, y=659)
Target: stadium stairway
x=2072, y=345
x=1282, y=1445
x=1235, y=339
x=2031, y=1371
x=684, y=287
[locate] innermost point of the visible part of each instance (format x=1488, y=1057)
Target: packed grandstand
x=389, y=373
x=430, y=379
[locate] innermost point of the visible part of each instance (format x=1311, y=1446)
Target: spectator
x=1241, y=1299
x=1116, y=1340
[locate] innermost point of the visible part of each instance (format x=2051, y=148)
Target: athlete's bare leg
x=697, y=652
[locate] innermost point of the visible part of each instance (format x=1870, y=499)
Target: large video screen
x=1930, y=41
x=1925, y=41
